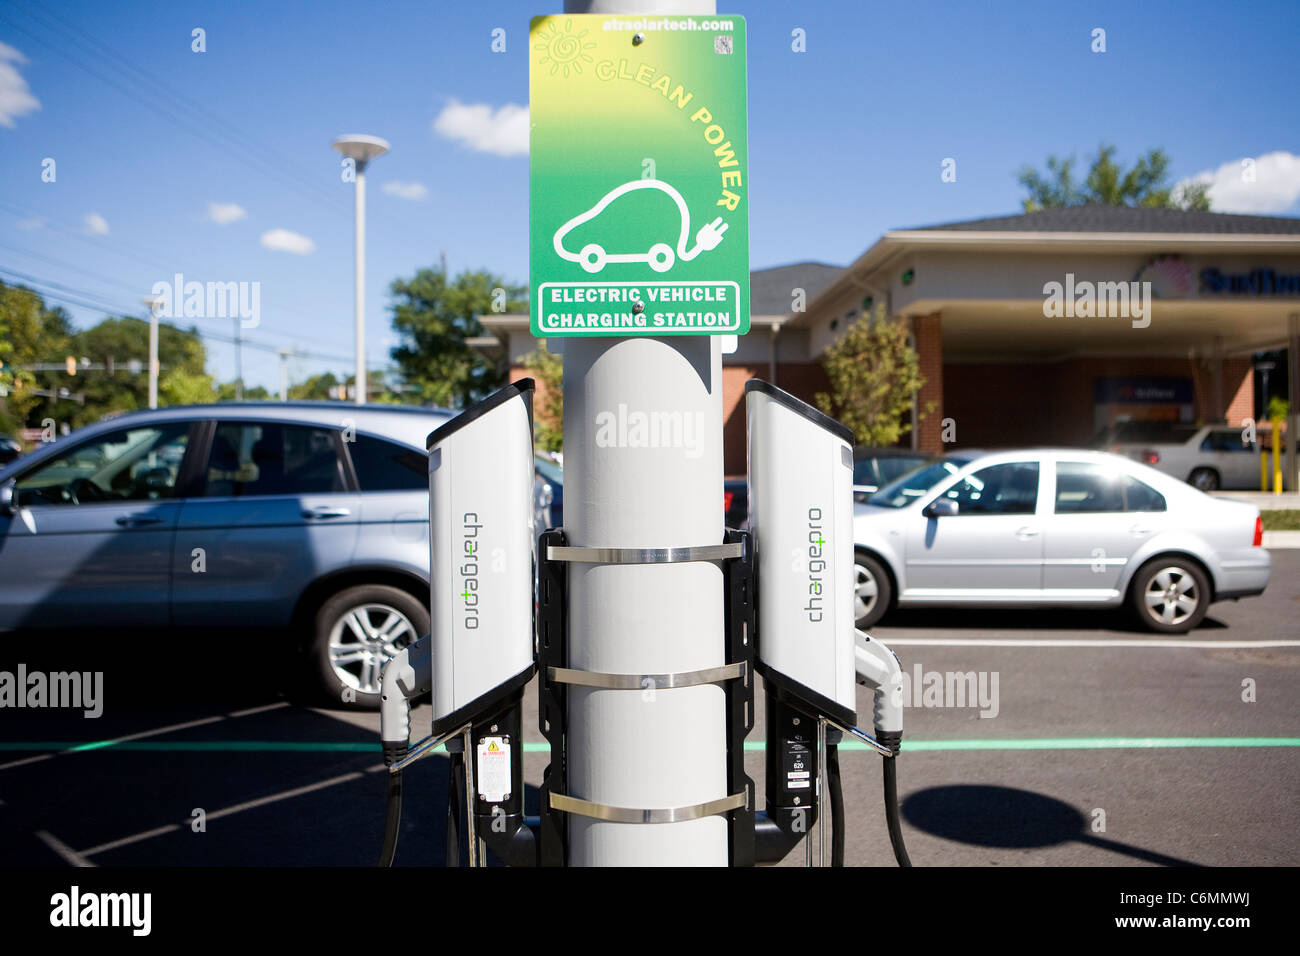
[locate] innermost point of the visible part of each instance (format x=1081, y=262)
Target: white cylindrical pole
x=655, y=748
x=360, y=302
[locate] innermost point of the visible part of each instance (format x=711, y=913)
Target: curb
x=1275, y=540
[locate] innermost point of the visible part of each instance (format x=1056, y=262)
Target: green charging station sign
x=639, y=185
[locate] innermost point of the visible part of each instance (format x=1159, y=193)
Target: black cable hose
x=392, y=819
x=454, y=784
x=838, y=823
x=891, y=811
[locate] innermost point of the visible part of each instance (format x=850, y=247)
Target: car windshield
x=903, y=491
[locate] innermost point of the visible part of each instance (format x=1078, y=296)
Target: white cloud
x=1272, y=186
x=224, y=213
x=282, y=240
x=33, y=223
x=96, y=225
x=402, y=190
x=503, y=131
x=15, y=98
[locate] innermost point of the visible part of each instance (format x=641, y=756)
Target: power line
x=79, y=296
x=167, y=111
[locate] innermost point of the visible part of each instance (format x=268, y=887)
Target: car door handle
x=135, y=521
x=326, y=512
x=1026, y=532
x=1139, y=529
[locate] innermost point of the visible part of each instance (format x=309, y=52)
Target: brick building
x=1036, y=329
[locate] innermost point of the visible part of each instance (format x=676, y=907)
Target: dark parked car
x=10, y=449
x=873, y=468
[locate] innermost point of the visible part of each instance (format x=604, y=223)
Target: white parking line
x=1076, y=642
x=258, y=710
x=116, y=740
x=69, y=855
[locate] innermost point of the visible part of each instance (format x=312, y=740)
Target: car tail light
x=727, y=497
x=1259, y=531
x=1150, y=456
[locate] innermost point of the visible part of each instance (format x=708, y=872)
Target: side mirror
x=940, y=508
x=7, y=507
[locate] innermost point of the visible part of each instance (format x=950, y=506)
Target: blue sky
x=846, y=139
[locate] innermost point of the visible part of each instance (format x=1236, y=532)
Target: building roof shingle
x=771, y=290
x=1099, y=218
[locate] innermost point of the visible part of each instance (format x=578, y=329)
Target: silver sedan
x=1047, y=527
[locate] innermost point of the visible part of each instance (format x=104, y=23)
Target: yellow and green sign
x=639, y=184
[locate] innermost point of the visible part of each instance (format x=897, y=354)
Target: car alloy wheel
x=1172, y=596
x=866, y=591
x=363, y=639
x=1205, y=479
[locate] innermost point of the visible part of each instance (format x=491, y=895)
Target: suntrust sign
x=1255, y=282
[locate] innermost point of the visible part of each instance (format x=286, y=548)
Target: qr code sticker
x=722, y=44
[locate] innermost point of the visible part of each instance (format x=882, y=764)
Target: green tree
x=318, y=388
x=30, y=333
x=434, y=319
x=548, y=419
x=1146, y=184
x=182, y=377
x=874, y=375
x=252, y=393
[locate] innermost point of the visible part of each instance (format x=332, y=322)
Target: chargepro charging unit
x=801, y=520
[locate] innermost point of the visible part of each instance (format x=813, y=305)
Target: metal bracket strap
x=707, y=552
x=711, y=675
x=601, y=811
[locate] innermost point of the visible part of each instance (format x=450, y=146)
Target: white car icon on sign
x=660, y=256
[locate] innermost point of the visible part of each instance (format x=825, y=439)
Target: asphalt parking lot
x=1103, y=745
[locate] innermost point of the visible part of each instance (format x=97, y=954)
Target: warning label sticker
x=493, y=769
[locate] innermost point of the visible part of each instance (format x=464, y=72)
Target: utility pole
x=284, y=374
x=239, y=364
x=152, y=302
x=624, y=749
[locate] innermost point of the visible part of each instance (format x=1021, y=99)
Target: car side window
x=266, y=458
x=1139, y=496
x=1226, y=439
x=1010, y=489
x=387, y=466
x=133, y=464
x=1091, y=488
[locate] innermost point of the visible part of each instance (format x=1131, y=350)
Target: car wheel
x=1170, y=595
x=1206, y=479
x=872, y=590
x=356, y=632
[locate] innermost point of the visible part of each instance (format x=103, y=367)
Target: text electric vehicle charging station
x=650, y=618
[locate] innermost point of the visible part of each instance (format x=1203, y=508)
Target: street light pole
x=360, y=149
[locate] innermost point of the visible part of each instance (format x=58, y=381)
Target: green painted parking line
x=309, y=746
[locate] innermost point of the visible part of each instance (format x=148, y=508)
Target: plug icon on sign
x=660, y=256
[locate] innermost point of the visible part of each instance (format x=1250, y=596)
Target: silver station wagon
x=1047, y=527
x=311, y=516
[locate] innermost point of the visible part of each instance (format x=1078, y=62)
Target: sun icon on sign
x=563, y=49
